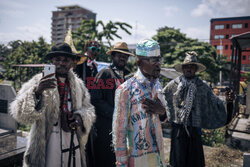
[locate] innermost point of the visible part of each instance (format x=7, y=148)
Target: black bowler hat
x=62, y=49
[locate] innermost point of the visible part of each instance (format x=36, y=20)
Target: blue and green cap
x=148, y=48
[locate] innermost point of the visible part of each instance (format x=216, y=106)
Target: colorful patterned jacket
x=137, y=136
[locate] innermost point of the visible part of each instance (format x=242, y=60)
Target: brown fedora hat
x=191, y=58
x=121, y=47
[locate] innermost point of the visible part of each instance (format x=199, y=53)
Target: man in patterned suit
x=139, y=104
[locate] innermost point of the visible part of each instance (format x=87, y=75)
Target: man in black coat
x=102, y=97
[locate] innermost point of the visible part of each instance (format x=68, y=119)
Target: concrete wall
x=8, y=93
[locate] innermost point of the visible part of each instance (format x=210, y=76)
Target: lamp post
x=221, y=52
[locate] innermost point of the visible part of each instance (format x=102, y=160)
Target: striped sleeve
x=119, y=126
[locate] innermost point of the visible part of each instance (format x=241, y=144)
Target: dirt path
x=215, y=156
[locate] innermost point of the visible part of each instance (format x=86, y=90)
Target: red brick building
x=222, y=29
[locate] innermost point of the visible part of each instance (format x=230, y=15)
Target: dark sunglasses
x=94, y=49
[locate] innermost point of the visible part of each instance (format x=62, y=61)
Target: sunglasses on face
x=94, y=49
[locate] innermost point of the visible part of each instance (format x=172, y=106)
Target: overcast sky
x=30, y=19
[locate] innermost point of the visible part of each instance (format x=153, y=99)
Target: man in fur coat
x=59, y=111
x=192, y=106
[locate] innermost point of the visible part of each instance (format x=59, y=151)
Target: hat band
x=126, y=50
x=150, y=53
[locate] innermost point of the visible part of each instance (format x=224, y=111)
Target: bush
x=24, y=127
x=215, y=137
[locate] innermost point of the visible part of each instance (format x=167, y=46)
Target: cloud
x=13, y=9
x=28, y=33
x=139, y=31
x=170, y=10
x=13, y=4
x=201, y=33
x=222, y=8
x=12, y=13
x=201, y=10
x=33, y=32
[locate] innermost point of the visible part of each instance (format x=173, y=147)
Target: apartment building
x=222, y=29
x=68, y=16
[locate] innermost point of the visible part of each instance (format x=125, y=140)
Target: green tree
x=97, y=30
x=174, y=44
x=247, y=76
x=25, y=53
x=4, y=51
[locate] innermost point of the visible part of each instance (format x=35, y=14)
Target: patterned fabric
x=148, y=48
x=118, y=72
x=137, y=135
x=207, y=111
x=186, y=88
x=64, y=91
x=91, y=63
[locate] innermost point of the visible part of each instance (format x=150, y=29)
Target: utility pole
x=221, y=52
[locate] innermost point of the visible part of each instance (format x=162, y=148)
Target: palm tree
x=89, y=31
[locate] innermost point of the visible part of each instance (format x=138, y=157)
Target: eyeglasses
x=154, y=60
x=94, y=49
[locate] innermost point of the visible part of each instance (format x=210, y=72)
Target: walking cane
x=72, y=148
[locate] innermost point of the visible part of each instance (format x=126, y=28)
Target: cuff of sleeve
x=82, y=125
x=122, y=160
x=121, y=164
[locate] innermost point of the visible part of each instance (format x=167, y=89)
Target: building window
x=246, y=25
x=228, y=26
x=227, y=36
x=235, y=26
x=215, y=46
x=226, y=47
x=248, y=57
x=219, y=47
x=231, y=47
x=219, y=27
x=244, y=57
x=218, y=36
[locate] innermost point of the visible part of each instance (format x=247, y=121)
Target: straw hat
x=191, y=58
x=121, y=47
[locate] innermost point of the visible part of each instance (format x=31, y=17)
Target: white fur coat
x=42, y=121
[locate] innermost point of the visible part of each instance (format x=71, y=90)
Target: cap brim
x=121, y=51
x=200, y=66
x=60, y=53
